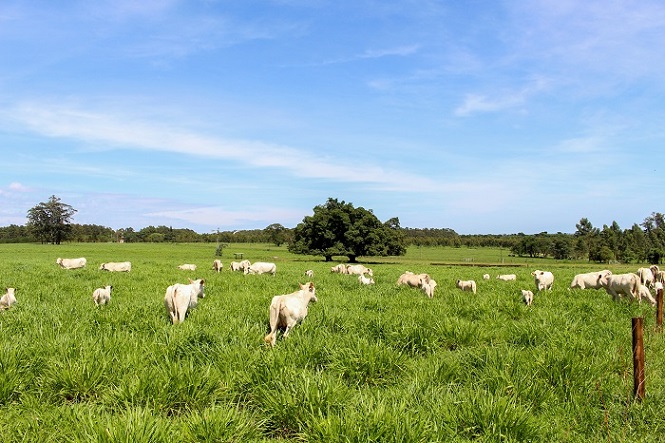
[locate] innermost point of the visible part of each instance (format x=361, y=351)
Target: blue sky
x=486, y=117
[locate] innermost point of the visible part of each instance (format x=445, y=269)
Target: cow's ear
x=311, y=285
x=203, y=281
x=190, y=280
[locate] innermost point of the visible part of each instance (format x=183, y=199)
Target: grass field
x=369, y=364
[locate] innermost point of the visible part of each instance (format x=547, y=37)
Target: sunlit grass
x=369, y=363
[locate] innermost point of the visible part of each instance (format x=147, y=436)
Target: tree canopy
x=338, y=228
x=50, y=221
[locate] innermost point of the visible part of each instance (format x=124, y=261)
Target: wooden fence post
x=659, y=310
x=638, y=359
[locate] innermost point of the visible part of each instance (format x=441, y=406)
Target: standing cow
x=8, y=299
x=181, y=297
x=261, y=267
x=543, y=279
x=102, y=296
x=466, y=285
x=622, y=284
x=288, y=310
x=217, y=265
x=71, y=263
x=590, y=280
x=123, y=266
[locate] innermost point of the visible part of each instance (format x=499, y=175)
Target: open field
x=379, y=363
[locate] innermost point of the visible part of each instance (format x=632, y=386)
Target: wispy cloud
x=120, y=133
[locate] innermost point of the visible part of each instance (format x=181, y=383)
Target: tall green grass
x=369, y=363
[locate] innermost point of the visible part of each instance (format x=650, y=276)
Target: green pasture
x=374, y=363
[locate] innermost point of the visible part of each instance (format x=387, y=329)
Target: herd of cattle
x=288, y=310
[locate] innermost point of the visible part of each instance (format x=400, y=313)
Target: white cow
x=527, y=296
x=659, y=277
x=101, y=296
x=466, y=285
x=646, y=276
x=359, y=270
x=187, y=267
x=217, y=265
x=428, y=285
x=339, y=268
x=8, y=299
x=590, y=279
x=621, y=284
x=239, y=265
x=507, y=277
x=123, y=266
x=486, y=276
x=180, y=297
x=288, y=310
x=644, y=292
x=411, y=279
x=71, y=263
x=365, y=280
x=309, y=273
x=544, y=279
x=261, y=267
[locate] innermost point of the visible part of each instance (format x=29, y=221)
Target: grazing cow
x=309, y=273
x=365, y=280
x=217, y=265
x=466, y=285
x=486, y=276
x=659, y=277
x=101, y=296
x=71, y=263
x=544, y=279
x=590, y=279
x=646, y=293
x=411, y=279
x=621, y=284
x=359, y=270
x=288, y=310
x=187, y=267
x=239, y=265
x=646, y=276
x=507, y=277
x=427, y=286
x=527, y=296
x=124, y=266
x=8, y=299
x=261, y=267
x=180, y=297
x=339, y=268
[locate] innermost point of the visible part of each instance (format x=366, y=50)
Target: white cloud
x=130, y=133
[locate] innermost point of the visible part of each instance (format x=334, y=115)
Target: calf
x=466, y=285
x=507, y=277
x=217, y=266
x=180, y=297
x=644, y=292
x=365, y=280
x=428, y=286
x=102, y=296
x=646, y=276
x=8, y=299
x=309, y=273
x=527, y=296
x=288, y=310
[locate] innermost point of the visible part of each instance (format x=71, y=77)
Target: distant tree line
x=338, y=228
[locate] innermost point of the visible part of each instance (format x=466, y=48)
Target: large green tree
x=338, y=228
x=50, y=221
